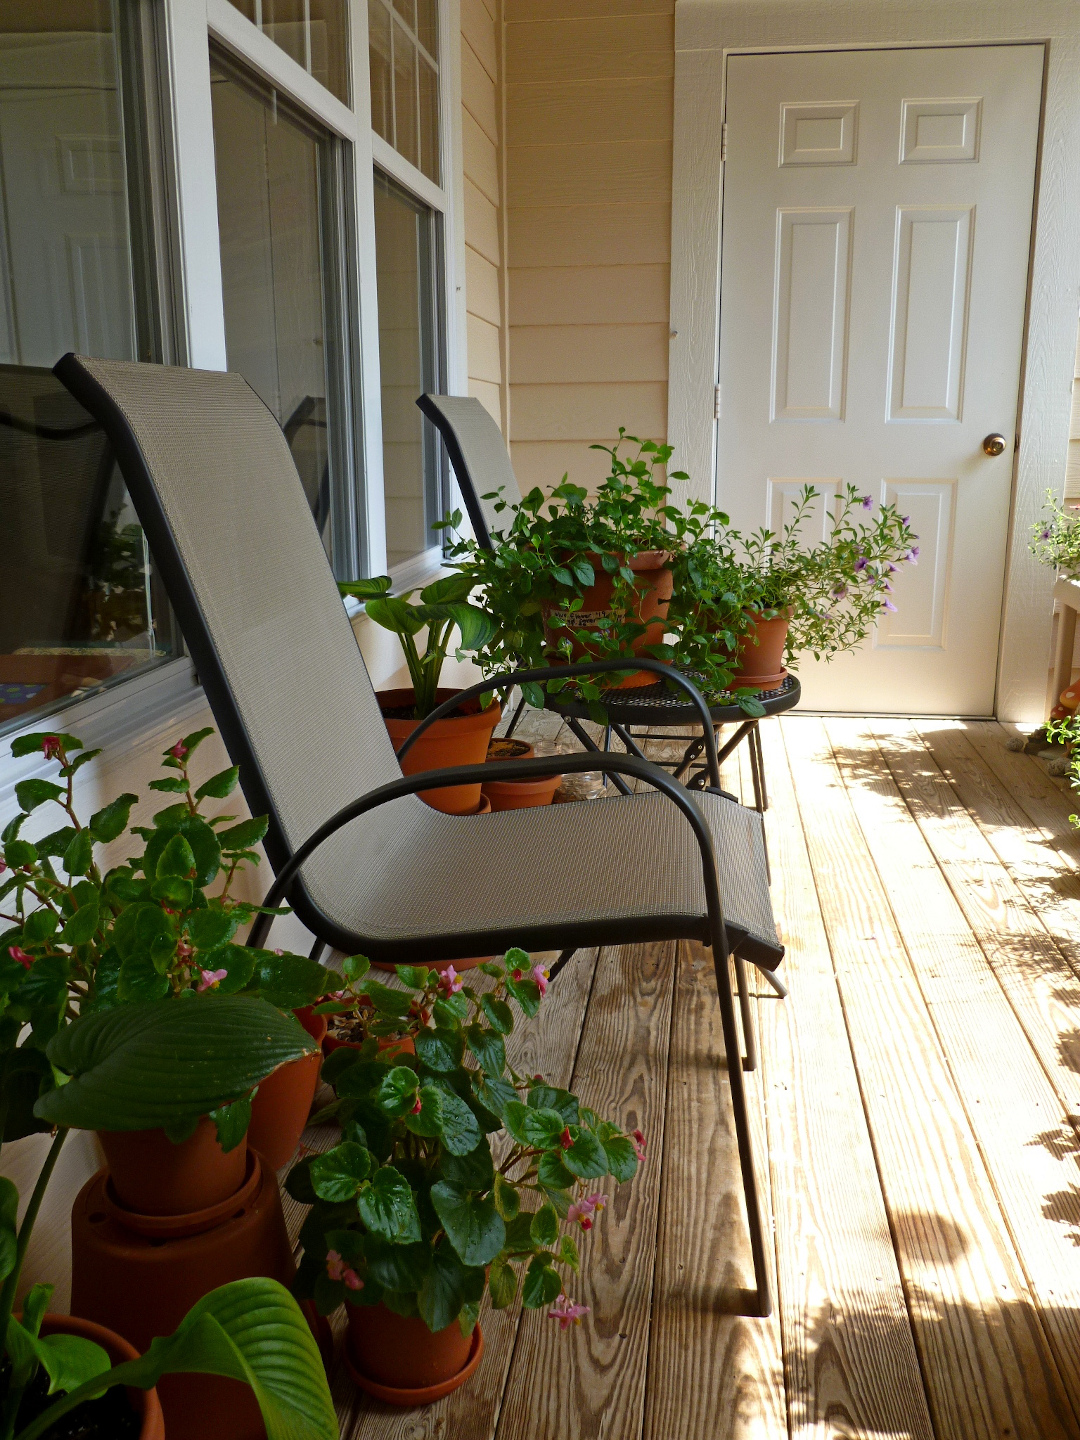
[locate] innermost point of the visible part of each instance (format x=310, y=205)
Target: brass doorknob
x=995, y=444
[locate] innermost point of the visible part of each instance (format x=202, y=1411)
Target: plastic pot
x=399, y=1360
x=761, y=664
x=653, y=582
x=280, y=1110
x=144, y=1402
x=457, y=740
x=142, y=1283
x=153, y=1176
x=521, y=794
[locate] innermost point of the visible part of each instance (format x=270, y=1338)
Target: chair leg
x=763, y=1301
x=316, y=950
x=749, y=1060
x=776, y=983
x=762, y=788
x=560, y=962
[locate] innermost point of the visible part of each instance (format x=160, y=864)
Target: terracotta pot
x=280, y=1110
x=387, y=1046
x=143, y=1285
x=521, y=794
x=511, y=749
x=144, y=1402
x=397, y=1358
x=153, y=1176
x=653, y=583
x=457, y=740
x=761, y=665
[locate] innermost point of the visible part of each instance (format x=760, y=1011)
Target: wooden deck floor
x=917, y=1112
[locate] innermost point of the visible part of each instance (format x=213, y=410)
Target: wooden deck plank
x=850, y=1359
x=550, y=1043
x=1041, y=797
x=985, y=1360
x=713, y=1373
x=1009, y=1106
x=590, y=1380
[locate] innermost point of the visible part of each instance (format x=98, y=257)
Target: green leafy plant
x=444, y=606
x=83, y=940
x=1055, y=540
x=455, y=1173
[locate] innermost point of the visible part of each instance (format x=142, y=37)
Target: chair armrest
x=568, y=672
x=539, y=765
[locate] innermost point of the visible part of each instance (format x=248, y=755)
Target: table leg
x=1066, y=638
x=588, y=743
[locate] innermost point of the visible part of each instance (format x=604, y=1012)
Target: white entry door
x=877, y=221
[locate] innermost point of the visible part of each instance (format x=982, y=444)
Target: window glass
x=313, y=32
x=408, y=356
x=402, y=51
x=80, y=604
x=275, y=183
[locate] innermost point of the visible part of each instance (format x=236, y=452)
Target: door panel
x=877, y=218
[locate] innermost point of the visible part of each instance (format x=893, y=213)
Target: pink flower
x=21, y=956
x=566, y=1139
x=338, y=1270
x=178, y=751
x=450, y=982
x=639, y=1144
x=566, y=1312
x=418, y=1106
x=210, y=978
x=183, y=948
x=3, y=867
x=541, y=976
x=516, y=974
x=50, y=747
x=582, y=1210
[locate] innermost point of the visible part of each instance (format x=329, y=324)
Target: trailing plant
x=444, y=606
x=1055, y=540
x=551, y=551
x=455, y=1172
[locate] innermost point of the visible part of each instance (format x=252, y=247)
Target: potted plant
x=162, y=924
x=412, y=1220
x=459, y=739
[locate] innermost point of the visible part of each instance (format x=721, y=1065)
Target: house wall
x=588, y=196
x=483, y=165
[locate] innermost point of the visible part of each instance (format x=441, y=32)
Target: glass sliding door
x=80, y=604
x=406, y=262
x=279, y=184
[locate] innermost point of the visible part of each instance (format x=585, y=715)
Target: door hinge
x=716, y=403
x=723, y=142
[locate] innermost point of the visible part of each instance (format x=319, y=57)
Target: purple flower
x=905, y=519
x=839, y=592
x=912, y=556
x=1044, y=533
x=861, y=563
x=866, y=502
x=888, y=605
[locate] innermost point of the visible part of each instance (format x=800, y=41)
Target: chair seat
x=410, y=883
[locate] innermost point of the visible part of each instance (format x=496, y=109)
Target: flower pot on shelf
x=761, y=664
x=503, y=749
x=140, y=1275
x=653, y=582
x=397, y=1359
x=460, y=739
x=280, y=1110
x=152, y=1176
x=144, y=1404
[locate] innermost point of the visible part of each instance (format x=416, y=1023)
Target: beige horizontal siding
x=589, y=412
x=543, y=463
x=480, y=157
x=478, y=92
x=577, y=354
x=482, y=287
x=632, y=234
x=478, y=27
x=595, y=48
x=574, y=112
x=606, y=174
x=521, y=10
x=591, y=295
x=490, y=396
x=484, y=361
x=481, y=224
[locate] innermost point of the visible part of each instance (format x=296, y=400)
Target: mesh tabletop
x=659, y=705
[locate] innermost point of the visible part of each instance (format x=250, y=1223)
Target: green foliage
x=444, y=606
x=410, y=1208
x=1056, y=540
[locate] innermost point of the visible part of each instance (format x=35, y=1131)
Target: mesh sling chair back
x=365, y=863
x=481, y=463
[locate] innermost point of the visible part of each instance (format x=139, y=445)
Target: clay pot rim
x=422, y=1394
x=195, y=1222
x=526, y=753
x=477, y=719
x=641, y=560
x=517, y=787
x=119, y=1350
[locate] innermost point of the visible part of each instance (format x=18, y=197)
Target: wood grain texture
x=611, y=173
x=590, y=295
x=573, y=112
x=584, y=412
x=986, y=1363
x=593, y=48
x=591, y=1380
x=551, y=1045
x=713, y=1373
x=630, y=234
x=1014, y=1110
x=577, y=354
x=849, y=1353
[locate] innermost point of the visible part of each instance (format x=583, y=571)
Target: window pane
x=407, y=10
x=270, y=172
x=405, y=117
x=79, y=603
x=404, y=250
x=313, y=32
x=427, y=29
x=380, y=65
x=429, y=118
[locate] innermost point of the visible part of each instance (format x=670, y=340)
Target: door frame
x=706, y=32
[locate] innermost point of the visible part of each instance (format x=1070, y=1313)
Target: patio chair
x=366, y=864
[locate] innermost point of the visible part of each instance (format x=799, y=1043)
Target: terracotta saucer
x=425, y=1394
